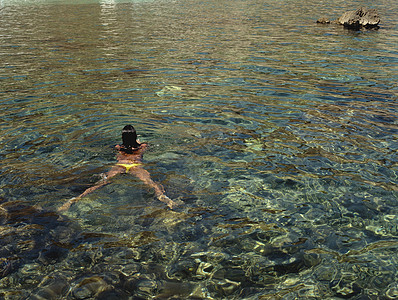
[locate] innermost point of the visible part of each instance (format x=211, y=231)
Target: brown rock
x=367, y=18
x=323, y=21
x=360, y=18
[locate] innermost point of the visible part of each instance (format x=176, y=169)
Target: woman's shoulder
x=121, y=148
x=142, y=147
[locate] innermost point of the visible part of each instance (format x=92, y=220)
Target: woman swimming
x=129, y=160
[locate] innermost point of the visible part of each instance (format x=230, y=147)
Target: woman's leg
x=145, y=177
x=105, y=180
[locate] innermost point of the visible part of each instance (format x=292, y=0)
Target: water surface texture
x=278, y=134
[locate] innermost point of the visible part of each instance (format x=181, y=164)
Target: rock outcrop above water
x=357, y=19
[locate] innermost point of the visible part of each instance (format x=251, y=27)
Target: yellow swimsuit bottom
x=129, y=166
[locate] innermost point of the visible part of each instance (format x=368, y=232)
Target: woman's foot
x=67, y=204
x=170, y=203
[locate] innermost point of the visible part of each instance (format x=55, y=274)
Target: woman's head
x=129, y=138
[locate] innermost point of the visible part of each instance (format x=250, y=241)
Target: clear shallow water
x=279, y=135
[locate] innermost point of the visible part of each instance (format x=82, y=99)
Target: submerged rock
x=90, y=287
x=52, y=288
x=357, y=19
x=392, y=291
x=31, y=236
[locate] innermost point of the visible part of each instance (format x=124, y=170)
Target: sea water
x=279, y=135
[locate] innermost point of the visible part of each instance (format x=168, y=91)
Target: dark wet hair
x=129, y=138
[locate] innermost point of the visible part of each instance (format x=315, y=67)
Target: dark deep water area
x=279, y=135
